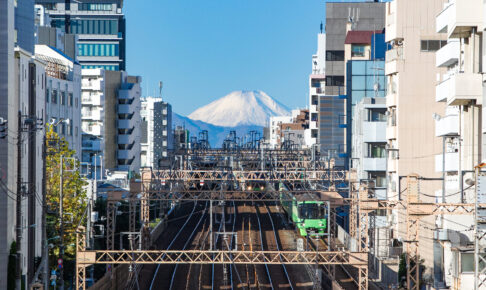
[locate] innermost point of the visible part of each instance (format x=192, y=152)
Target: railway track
x=253, y=226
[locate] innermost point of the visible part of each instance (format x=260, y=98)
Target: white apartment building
x=63, y=94
x=157, y=137
x=93, y=118
x=316, y=90
x=110, y=121
x=462, y=129
x=29, y=101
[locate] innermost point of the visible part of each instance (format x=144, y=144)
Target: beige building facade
x=411, y=141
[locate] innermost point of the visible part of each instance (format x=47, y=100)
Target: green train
x=310, y=217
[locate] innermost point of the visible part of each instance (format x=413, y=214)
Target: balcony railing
x=394, y=54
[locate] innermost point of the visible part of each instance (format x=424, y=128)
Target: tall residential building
x=110, y=121
x=462, y=130
x=365, y=78
x=100, y=27
x=93, y=119
x=157, y=137
x=332, y=117
x=63, y=94
x=412, y=145
x=316, y=89
x=22, y=80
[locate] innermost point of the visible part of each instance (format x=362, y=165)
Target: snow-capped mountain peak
x=240, y=108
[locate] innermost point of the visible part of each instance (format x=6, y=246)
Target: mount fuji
x=240, y=108
x=239, y=111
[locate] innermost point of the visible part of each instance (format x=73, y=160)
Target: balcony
x=394, y=25
x=448, y=55
x=93, y=85
x=391, y=99
x=91, y=115
x=374, y=131
x=96, y=130
x=124, y=154
x=447, y=126
x=460, y=89
x=394, y=60
x=442, y=20
x=451, y=162
x=461, y=17
x=125, y=124
x=391, y=132
x=91, y=99
x=126, y=108
x=126, y=138
x=374, y=164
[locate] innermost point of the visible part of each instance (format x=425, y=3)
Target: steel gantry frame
x=181, y=184
x=243, y=176
x=361, y=205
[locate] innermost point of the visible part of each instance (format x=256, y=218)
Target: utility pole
x=18, y=203
x=61, y=218
x=45, y=250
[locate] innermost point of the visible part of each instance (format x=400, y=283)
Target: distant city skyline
x=202, y=51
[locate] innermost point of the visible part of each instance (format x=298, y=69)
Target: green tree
x=74, y=199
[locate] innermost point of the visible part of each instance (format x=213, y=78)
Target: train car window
x=312, y=211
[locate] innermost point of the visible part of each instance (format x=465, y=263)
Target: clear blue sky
x=203, y=50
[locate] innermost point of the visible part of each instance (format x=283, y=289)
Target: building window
x=335, y=55
x=379, y=178
x=76, y=102
x=467, y=262
x=54, y=97
x=357, y=50
x=94, y=7
x=376, y=150
x=76, y=132
x=337, y=81
x=432, y=45
x=94, y=26
x=63, y=128
x=47, y=95
x=377, y=115
x=98, y=49
x=105, y=67
x=63, y=98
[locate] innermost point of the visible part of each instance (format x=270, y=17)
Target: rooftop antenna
x=322, y=27
x=161, y=84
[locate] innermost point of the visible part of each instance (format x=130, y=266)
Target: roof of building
x=360, y=36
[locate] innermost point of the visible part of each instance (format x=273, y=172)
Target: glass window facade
x=89, y=26
x=94, y=7
x=363, y=76
x=98, y=49
x=105, y=67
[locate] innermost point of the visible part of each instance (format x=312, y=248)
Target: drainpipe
x=443, y=169
x=461, y=177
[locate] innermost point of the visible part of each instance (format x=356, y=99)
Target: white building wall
x=461, y=125
x=22, y=82
x=71, y=89
x=93, y=117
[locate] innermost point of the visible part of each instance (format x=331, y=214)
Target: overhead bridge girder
x=222, y=257
x=243, y=176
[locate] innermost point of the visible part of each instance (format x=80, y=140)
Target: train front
x=313, y=216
